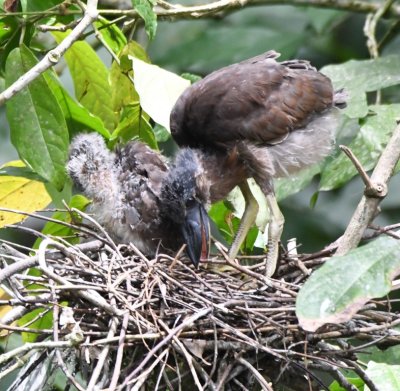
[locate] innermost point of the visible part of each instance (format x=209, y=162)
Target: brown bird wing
x=142, y=174
x=259, y=100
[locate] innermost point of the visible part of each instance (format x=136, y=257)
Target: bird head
x=89, y=163
x=183, y=199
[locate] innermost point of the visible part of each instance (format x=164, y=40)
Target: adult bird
x=257, y=119
x=139, y=197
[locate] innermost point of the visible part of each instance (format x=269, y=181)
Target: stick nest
x=119, y=320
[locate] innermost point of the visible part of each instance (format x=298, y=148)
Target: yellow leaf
x=22, y=194
x=4, y=309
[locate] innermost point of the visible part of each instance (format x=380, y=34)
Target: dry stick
x=120, y=353
x=34, y=345
x=102, y=357
x=186, y=323
x=88, y=295
x=185, y=353
x=366, y=208
x=263, y=383
x=360, y=372
x=27, y=263
x=224, y=6
x=54, y=55
x=143, y=376
x=60, y=360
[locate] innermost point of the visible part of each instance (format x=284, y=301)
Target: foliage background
x=323, y=36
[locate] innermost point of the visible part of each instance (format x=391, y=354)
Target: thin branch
x=368, y=204
x=54, y=55
x=31, y=346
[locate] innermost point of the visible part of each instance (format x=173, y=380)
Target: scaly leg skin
x=248, y=219
x=275, y=229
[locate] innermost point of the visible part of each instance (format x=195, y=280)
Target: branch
x=227, y=6
x=368, y=204
x=53, y=56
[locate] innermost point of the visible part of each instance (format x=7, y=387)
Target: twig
x=120, y=353
x=366, y=209
x=263, y=383
x=102, y=356
x=28, y=346
x=54, y=55
x=186, y=323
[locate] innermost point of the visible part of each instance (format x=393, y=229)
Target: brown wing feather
x=259, y=100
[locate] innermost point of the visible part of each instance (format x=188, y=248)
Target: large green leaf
x=134, y=125
x=37, y=124
x=337, y=290
x=385, y=377
x=145, y=9
x=359, y=77
x=90, y=77
x=158, y=89
x=78, y=117
x=367, y=146
x=123, y=90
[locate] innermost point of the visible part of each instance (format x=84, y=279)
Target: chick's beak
x=196, y=233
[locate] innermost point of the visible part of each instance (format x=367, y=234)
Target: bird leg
x=248, y=219
x=275, y=229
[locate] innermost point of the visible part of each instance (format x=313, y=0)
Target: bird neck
x=223, y=170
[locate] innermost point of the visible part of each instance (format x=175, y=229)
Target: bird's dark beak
x=196, y=233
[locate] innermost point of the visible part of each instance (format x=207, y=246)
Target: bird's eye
x=190, y=202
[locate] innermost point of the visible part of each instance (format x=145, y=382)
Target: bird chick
x=138, y=197
x=258, y=119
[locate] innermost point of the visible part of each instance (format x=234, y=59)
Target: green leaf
x=44, y=321
x=8, y=27
x=134, y=125
x=158, y=90
x=18, y=35
x=37, y=125
x=16, y=170
x=78, y=117
x=162, y=135
x=145, y=9
x=90, y=77
x=356, y=381
x=111, y=34
x=323, y=19
x=121, y=76
x=385, y=377
x=339, y=288
x=285, y=187
x=235, y=197
x=222, y=217
x=21, y=194
x=69, y=234
x=359, y=77
x=38, y=5
x=367, y=146
x=390, y=355
x=241, y=35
